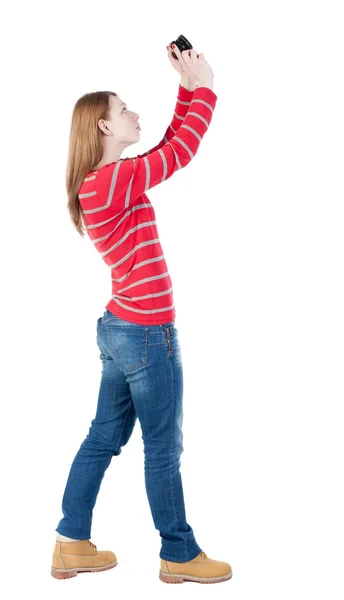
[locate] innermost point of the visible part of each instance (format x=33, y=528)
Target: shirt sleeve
x=182, y=106
x=124, y=181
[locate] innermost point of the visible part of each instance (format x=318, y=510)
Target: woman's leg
x=109, y=431
x=150, y=358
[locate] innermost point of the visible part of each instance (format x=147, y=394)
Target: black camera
x=182, y=44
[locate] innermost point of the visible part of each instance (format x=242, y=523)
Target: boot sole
x=68, y=573
x=180, y=578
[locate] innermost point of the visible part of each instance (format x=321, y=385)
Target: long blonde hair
x=85, y=147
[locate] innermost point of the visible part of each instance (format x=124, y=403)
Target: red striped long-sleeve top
x=120, y=220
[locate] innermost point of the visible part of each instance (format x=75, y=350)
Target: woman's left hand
x=176, y=63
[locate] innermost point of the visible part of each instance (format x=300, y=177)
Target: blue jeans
x=142, y=377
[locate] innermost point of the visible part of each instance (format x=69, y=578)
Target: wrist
x=207, y=83
x=188, y=83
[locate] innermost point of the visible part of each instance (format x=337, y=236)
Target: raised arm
x=184, y=98
x=122, y=182
x=181, y=148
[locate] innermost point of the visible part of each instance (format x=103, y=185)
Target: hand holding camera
x=190, y=63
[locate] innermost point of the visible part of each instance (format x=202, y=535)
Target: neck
x=111, y=155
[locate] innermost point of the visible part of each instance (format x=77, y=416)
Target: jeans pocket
x=128, y=346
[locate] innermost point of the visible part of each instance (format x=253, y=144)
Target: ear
x=102, y=126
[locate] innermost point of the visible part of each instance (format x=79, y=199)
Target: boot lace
x=90, y=544
x=203, y=554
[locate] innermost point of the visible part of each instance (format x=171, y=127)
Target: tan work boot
x=71, y=558
x=200, y=569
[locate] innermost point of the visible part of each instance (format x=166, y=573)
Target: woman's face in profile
x=123, y=123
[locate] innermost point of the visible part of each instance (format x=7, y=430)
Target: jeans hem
x=75, y=536
x=171, y=558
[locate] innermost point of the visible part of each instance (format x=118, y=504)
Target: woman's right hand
x=195, y=65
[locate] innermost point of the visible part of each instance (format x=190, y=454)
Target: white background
x=252, y=232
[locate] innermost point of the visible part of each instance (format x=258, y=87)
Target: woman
x=141, y=362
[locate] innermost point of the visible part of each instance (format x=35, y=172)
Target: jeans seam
x=172, y=455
